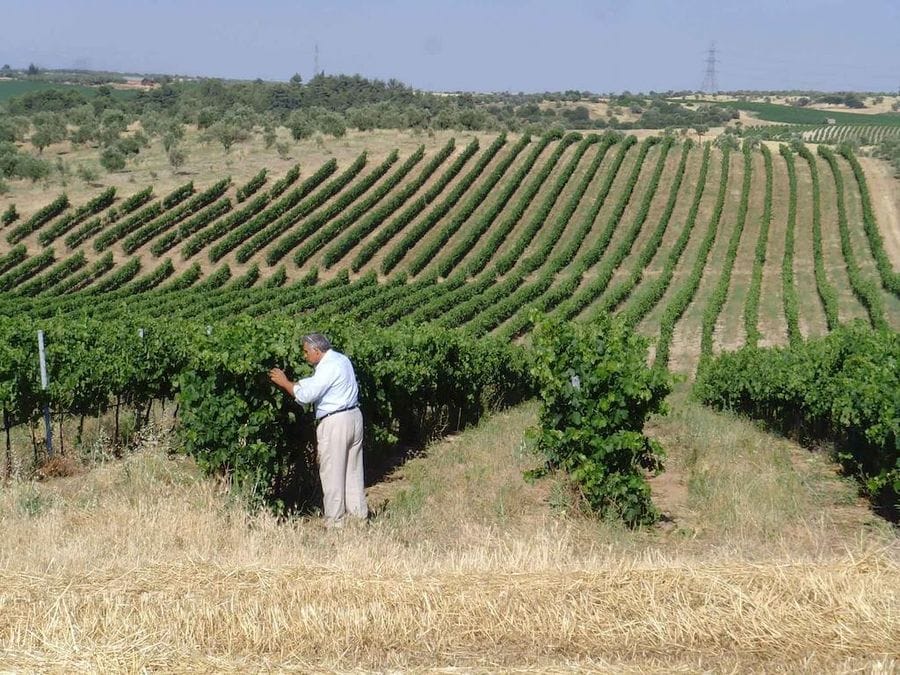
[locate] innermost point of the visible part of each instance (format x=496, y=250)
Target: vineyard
x=681, y=240
x=700, y=249
x=630, y=401
x=859, y=133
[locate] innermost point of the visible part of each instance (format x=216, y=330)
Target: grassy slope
x=765, y=561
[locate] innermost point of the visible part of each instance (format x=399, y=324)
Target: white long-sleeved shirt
x=332, y=386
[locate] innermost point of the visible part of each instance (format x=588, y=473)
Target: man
x=339, y=426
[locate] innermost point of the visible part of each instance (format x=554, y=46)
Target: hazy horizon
x=603, y=46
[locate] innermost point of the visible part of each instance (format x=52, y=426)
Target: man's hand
x=279, y=379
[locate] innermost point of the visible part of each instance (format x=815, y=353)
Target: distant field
x=12, y=88
x=787, y=114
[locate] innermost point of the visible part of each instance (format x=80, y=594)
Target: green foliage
x=234, y=421
x=36, y=221
x=662, y=114
x=685, y=293
x=889, y=279
x=596, y=392
x=17, y=164
x=49, y=128
x=789, y=289
x=176, y=156
x=773, y=112
x=863, y=288
x=10, y=215
x=844, y=387
x=720, y=293
x=112, y=159
x=826, y=291
x=888, y=149
x=251, y=186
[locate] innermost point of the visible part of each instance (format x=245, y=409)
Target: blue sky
x=500, y=45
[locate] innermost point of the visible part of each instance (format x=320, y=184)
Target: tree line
x=230, y=112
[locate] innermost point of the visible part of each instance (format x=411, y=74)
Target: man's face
x=312, y=354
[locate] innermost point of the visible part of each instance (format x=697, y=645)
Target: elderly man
x=339, y=426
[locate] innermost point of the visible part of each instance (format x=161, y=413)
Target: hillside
x=689, y=243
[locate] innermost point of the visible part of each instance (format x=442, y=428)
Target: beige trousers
x=340, y=441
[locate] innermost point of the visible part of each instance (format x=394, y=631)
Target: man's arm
x=280, y=380
x=307, y=390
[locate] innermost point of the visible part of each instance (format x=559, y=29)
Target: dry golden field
x=765, y=562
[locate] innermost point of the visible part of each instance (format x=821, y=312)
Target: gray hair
x=317, y=341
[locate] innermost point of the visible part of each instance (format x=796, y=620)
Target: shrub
x=596, y=392
x=843, y=387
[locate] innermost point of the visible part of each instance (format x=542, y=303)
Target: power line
x=710, y=81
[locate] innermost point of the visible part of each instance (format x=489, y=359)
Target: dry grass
x=144, y=564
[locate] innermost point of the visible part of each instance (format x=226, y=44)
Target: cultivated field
x=687, y=243
x=764, y=560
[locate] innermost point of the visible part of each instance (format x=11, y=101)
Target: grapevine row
x=358, y=232
x=44, y=215
x=863, y=289
x=313, y=202
x=68, y=221
x=499, y=234
x=204, y=237
x=83, y=278
x=251, y=187
x=475, y=199
x=826, y=291
x=498, y=305
x=751, y=307
x=570, y=307
x=172, y=217
x=720, y=292
x=486, y=220
x=53, y=275
x=610, y=264
x=389, y=231
x=277, y=210
x=354, y=214
x=789, y=290
x=618, y=294
x=415, y=235
x=188, y=227
x=685, y=294
x=889, y=278
x=26, y=269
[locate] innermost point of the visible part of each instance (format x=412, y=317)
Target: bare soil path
x=885, y=190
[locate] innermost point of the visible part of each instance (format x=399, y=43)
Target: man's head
x=314, y=347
